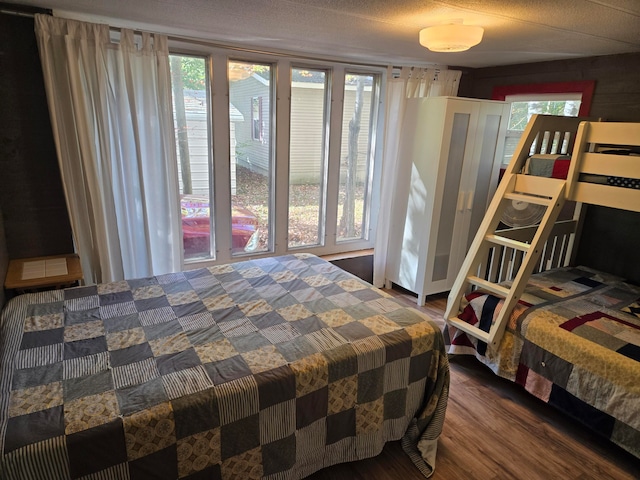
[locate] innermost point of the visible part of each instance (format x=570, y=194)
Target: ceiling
x=383, y=31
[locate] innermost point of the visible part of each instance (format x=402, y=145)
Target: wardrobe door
x=453, y=202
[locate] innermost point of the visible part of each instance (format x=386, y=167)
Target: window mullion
x=283, y=100
x=335, y=145
x=221, y=168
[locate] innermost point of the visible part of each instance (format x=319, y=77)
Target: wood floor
x=496, y=430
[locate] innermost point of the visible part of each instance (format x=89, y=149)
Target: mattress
x=573, y=341
x=270, y=368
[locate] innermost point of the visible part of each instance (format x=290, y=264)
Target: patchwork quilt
x=574, y=342
x=272, y=368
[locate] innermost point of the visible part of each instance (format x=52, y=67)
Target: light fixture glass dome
x=454, y=37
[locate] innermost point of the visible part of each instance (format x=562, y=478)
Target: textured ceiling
x=383, y=31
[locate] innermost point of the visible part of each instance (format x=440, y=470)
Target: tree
x=347, y=222
x=177, y=82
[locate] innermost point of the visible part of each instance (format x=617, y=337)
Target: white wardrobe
x=450, y=156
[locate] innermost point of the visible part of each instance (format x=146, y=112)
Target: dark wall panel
x=610, y=237
x=4, y=261
x=31, y=195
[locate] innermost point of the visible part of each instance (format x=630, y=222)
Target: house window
x=289, y=172
x=191, y=121
x=256, y=119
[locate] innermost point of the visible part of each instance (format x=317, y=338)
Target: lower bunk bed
x=573, y=341
x=271, y=368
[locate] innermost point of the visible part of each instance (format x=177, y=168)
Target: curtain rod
x=22, y=10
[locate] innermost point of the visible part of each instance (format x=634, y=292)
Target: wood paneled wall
x=610, y=237
x=4, y=261
x=35, y=216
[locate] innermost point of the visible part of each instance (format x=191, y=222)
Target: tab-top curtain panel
x=111, y=114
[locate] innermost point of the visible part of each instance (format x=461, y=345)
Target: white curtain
x=111, y=113
x=412, y=82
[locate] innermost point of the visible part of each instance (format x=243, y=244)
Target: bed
x=568, y=335
x=269, y=368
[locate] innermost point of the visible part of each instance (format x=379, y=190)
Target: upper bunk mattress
x=268, y=368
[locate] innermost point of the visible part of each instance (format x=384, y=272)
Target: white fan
x=522, y=214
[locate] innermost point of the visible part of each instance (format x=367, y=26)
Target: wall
x=31, y=196
x=616, y=98
x=4, y=261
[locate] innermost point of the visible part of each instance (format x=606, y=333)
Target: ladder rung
x=492, y=287
x=520, y=197
x=508, y=242
x=468, y=328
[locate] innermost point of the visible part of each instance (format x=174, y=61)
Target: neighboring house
x=251, y=97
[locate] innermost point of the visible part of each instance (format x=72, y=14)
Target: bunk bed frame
x=512, y=255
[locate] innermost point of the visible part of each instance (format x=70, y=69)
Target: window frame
x=219, y=142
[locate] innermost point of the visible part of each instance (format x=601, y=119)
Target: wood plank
x=627, y=166
x=614, y=133
x=496, y=430
x=607, y=196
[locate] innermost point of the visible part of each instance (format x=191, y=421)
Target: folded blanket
x=546, y=165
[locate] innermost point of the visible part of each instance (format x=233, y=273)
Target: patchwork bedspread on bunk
x=574, y=342
x=272, y=368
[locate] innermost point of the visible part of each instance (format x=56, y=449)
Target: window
x=274, y=173
x=251, y=162
x=191, y=121
x=307, y=157
x=558, y=98
x=523, y=107
x=356, y=156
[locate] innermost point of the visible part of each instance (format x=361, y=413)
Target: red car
x=196, y=227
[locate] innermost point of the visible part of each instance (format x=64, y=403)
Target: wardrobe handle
x=470, y=200
x=460, y=206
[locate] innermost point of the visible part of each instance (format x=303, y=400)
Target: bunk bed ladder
x=549, y=192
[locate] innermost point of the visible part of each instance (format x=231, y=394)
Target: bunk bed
x=570, y=335
x=269, y=368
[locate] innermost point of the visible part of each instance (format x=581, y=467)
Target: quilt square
x=43, y=322
x=267, y=320
x=136, y=283
x=135, y=373
x=42, y=309
x=174, y=362
x=246, y=343
x=86, y=365
x=147, y=292
x=84, y=348
x=227, y=370
x=283, y=332
x=125, y=338
x=199, y=320
x=296, y=349
x=126, y=322
x=354, y=331
x=72, y=317
x=270, y=291
x=144, y=304
x=157, y=316
x=343, y=394
x=90, y=411
x=311, y=407
x=370, y=417
x=342, y=362
x=162, y=330
x=189, y=309
x=277, y=421
x=79, y=292
x=113, y=287
x=33, y=357
x=170, y=344
x=84, y=331
x=82, y=386
x=275, y=385
x=40, y=375
x=341, y=425
x=309, y=325
x=42, y=338
x=219, y=302
x=96, y=449
x=34, y=427
x=240, y=437
x=196, y=413
x=370, y=385
x=219, y=349
x=198, y=452
x=186, y=382
x=132, y=354
x=118, y=309
x=279, y=456
x=395, y=404
x=160, y=465
x=259, y=280
x=138, y=398
x=202, y=336
x=197, y=273
x=398, y=344
x=263, y=358
x=116, y=297
x=237, y=328
x=34, y=399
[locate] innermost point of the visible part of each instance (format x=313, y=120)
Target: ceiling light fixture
x=451, y=37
